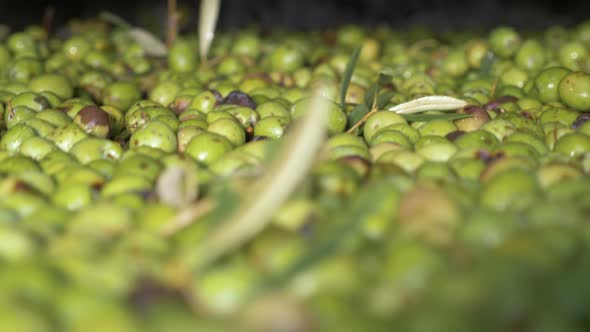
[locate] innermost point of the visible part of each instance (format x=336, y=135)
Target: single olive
x=58, y=84
x=336, y=117
x=574, y=91
x=73, y=196
x=90, y=149
x=182, y=57
x=36, y=147
x=530, y=56
x=512, y=190
x=66, y=136
x=572, y=54
x=271, y=126
x=573, y=144
x=76, y=48
x=121, y=95
x=15, y=136
x=155, y=134
x=437, y=128
x=380, y=120
x=94, y=121
x=392, y=136
x=286, y=58
x=230, y=129
x=164, y=93
x=206, y=148
x=504, y=41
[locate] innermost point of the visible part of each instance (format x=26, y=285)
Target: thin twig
x=494, y=87
x=374, y=109
x=48, y=16
x=172, y=30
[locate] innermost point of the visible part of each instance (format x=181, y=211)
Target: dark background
x=439, y=14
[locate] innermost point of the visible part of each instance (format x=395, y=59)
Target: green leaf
x=357, y=114
x=348, y=75
x=208, y=16
x=370, y=94
x=151, y=44
x=430, y=117
x=384, y=79
x=384, y=99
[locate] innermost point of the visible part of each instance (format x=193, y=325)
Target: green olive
x=573, y=144
x=271, y=126
x=58, y=84
x=66, y=136
x=574, y=91
x=121, y=95
x=378, y=121
x=504, y=41
x=164, y=93
x=182, y=57
x=206, y=148
x=547, y=83
x=90, y=149
x=15, y=136
x=230, y=129
x=513, y=189
x=73, y=196
x=154, y=134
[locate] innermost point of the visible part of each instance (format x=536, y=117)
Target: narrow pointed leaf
x=114, y=19
x=285, y=173
x=430, y=117
x=208, y=15
x=151, y=44
x=348, y=75
x=429, y=103
x=357, y=114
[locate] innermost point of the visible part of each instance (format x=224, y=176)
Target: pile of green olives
x=469, y=220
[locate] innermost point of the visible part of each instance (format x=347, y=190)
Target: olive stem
x=48, y=16
x=363, y=119
x=172, y=23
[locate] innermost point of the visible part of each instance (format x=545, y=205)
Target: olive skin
x=155, y=134
x=121, y=95
x=206, y=148
x=574, y=91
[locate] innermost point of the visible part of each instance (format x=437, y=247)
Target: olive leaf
x=208, y=15
x=429, y=103
x=114, y=19
x=151, y=44
x=348, y=75
x=358, y=112
x=284, y=174
x=430, y=117
x=177, y=185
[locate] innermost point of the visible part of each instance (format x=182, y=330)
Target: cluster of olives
x=449, y=224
